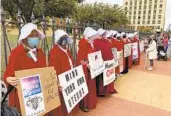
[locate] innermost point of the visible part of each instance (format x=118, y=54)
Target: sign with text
x=115, y=58
x=96, y=64
x=37, y=91
x=120, y=59
x=109, y=72
x=135, y=50
x=141, y=46
x=74, y=87
x=127, y=50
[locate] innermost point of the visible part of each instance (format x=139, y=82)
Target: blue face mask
x=33, y=42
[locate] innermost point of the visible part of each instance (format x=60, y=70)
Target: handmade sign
x=141, y=46
x=120, y=59
x=109, y=72
x=135, y=50
x=127, y=50
x=37, y=91
x=74, y=87
x=96, y=64
x=115, y=58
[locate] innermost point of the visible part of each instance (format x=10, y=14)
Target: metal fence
x=74, y=29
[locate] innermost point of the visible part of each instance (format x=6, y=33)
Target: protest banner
x=115, y=58
x=127, y=50
x=120, y=59
x=96, y=64
x=109, y=72
x=135, y=50
x=141, y=46
x=74, y=87
x=37, y=91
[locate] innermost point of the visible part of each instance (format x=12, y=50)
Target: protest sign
x=37, y=91
x=135, y=50
x=74, y=87
x=127, y=50
x=96, y=64
x=120, y=59
x=109, y=72
x=115, y=58
x=141, y=46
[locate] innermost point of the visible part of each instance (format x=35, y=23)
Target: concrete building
x=146, y=13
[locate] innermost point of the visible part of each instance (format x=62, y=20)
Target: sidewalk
x=140, y=93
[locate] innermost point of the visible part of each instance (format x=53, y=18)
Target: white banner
x=135, y=50
x=127, y=50
x=120, y=59
x=96, y=64
x=114, y=52
x=141, y=46
x=74, y=87
x=109, y=72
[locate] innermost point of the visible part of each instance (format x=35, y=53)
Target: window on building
x=158, y=27
x=130, y=13
x=130, y=8
x=160, y=11
x=126, y=3
x=139, y=7
x=149, y=17
x=150, y=6
x=131, y=3
x=138, y=22
x=153, y=21
x=154, y=16
x=159, y=16
x=145, y=1
x=145, y=6
x=160, y=6
x=159, y=21
x=148, y=22
x=134, y=12
x=140, y=2
x=161, y=0
x=156, y=1
x=155, y=6
x=143, y=22
x=154, y=12
x=139, y=12
x=135, y=7
x=149, y=11
x=134, y=17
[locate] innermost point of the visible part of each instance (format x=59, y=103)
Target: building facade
x=145, y=14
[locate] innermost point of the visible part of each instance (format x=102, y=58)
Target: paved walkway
x=140, y=93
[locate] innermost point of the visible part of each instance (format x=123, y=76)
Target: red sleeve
x=82, y=52
x=53, y=61
x=10, y=70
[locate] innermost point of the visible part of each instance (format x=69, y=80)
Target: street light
x=32, y=17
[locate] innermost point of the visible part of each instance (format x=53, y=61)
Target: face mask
x=33, y=42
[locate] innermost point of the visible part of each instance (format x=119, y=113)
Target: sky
x=120, y=2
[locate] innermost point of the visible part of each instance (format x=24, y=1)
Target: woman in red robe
x=124, y=41
x=61, y=59
x=86, y=47
x=118, y=45
x=131, y=56
x=134, y=40
x=26, y=55
x=103, y=45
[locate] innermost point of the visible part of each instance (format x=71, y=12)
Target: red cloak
x=59, y=60
x=135, y=39
x=84, y=49
x=118, y=45
x=105, y=47
x=19, y=60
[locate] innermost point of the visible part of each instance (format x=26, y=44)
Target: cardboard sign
x=135, y=50
x=120, y=59
x=115, y=58
x=96, y=64
x=37, y=91
x=74, y=87
x=127, y=50
x=141, y=46
x=109, y=72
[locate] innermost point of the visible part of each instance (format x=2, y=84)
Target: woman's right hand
x=12, y=81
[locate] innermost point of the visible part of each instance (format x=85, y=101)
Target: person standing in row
x=25, y=56
x=86, y=47
x=62, y=61
x=103, y=45
x=151, y=52
x=118, y=45
x=125, y=41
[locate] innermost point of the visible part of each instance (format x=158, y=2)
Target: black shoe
x=84, y=109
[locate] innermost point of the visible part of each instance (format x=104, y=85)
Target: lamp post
x=53, y=29
x=67, y=25
x=32, y=17
x=19, y=20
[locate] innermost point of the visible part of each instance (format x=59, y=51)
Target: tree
x=105, y=15
x=57, y=8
